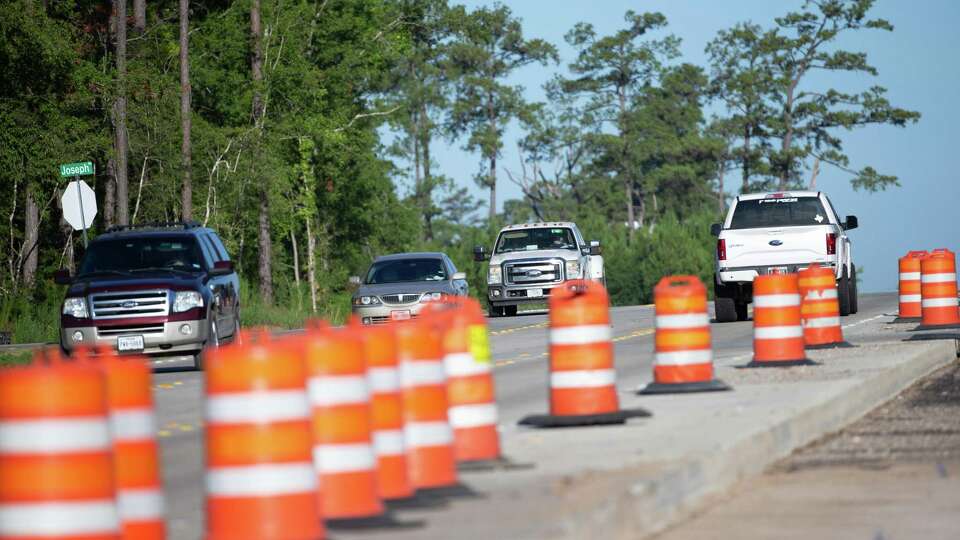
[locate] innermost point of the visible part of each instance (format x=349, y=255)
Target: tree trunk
x=493, y=188
x=120, y=112
x=427, y=179
x=721, y=204
x=296, y=259
x=186, y=190
x=110, y=195
x=746, y=159
x=311, y=266
x=628, y=189
x=31, y=238
x=140, y=15
x=814, y=173
x=67, y=231
x=265, y=270
x=787, y=139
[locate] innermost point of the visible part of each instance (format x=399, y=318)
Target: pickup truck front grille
x=130, y=304
x=533, y=272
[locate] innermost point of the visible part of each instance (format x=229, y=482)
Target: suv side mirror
x=353, y=282
x=457, y=276
x=222, y=268
x=851, y=223
x=479, y=254
x=595, y=247
x=62, y=277
x=715, y=229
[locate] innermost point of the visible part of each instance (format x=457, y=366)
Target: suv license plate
x=534, y=293
x=400, y=315
x=130, y=343
x=778, y=270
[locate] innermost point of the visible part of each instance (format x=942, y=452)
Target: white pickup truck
x=780, y=232
x=529, y=260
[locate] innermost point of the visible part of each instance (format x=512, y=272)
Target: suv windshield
x=143, y=253
x=535, y=239
x=403, y=270
x=783, y=212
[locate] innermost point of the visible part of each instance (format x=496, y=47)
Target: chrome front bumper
x=384, y=313
x=172, y=338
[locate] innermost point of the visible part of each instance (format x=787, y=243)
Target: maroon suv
x=165, y=290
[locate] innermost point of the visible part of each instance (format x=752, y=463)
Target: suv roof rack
x=185, y=225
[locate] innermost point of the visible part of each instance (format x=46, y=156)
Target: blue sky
x=916, y=63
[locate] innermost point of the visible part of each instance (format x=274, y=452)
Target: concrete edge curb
x=640, y=505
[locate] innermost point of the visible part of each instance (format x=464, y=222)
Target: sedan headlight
x=573, y=269
x=431, y=296
x=186, y=300
x=366, y=301
x=76, y=308
x=494, y=275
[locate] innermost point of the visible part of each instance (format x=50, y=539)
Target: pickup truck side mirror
x=715, y=229
x=353, y=282
x=62, y=277
x=479, y=254
x=222, y=268
x=851, y=223
x=595, y=247
x=458, y=276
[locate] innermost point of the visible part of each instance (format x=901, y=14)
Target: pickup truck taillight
x=831, y=243
x=722, y=249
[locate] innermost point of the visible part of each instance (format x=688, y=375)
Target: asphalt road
x=519, y=346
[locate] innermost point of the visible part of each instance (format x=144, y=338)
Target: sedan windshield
x=536, y=239
x=142, y=254
x=783, y=212
x=406, y=270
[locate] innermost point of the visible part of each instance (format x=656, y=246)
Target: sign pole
x=83, y=220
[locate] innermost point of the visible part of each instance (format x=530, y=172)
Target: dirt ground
x=892, y=475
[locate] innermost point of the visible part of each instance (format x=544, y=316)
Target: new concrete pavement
x=520, y=354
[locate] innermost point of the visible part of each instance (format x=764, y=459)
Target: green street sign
x=84, y=168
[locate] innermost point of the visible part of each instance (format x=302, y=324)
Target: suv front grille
x=397, y=299
x=130, y=304
x=541, y=272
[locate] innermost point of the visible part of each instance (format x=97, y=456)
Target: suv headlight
x=573, y=269
x=366, y=301
x=494, y=275
x=76, y=308
x=185, y=300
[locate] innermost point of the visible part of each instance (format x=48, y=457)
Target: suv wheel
x=510, y=311
x=725, y=308
x=213, y=341
x=854, y=302
x=843, y=294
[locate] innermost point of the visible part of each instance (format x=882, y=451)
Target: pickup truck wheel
x=510, y=311
x=743, y=313
x=725, y=308
x=854, y=302
x=495, y=311
x=843, y=294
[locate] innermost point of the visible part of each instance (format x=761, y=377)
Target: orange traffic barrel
x=135, y=450
x=938, y=288
x=423, y=380
x=56, y=460
x=386, y=411
x=582, y=379
x=340, y=401
x=683, y=360
x=777, y=330
x=470, y=388
x=909, y=286
x=820, y=308
x=260, y=479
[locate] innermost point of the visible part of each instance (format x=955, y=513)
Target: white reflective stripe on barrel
x=939, y=302
x=343, y=458
x=258, y=407
x=384, y=380
x=684, y=320
x=422, y=373
x=264, y=480
x=821, y=322
x=419, y=434
x=684, y=358
x=464, y=365
x=580, y=335
x=910, y=298
x=59, y=519
x=909, y=276
x=822, y=294
x=133, y=425
x=468, y=416
x=55, y=436
x=775, y=300
x=388, y=442
x=777, y=332
x=586, y=378
x=939, y=278
x=331, y=390
x=140, y=504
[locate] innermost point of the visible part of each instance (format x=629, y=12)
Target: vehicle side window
x=833, y=208
x=450, y=265
x=208, y=255
x=221, y=249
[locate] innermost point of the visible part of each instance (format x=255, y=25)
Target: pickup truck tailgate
x=772, y=247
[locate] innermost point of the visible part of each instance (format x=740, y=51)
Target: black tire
x=743, y=313
x=843, y=294
x=495, y=311
x=854, y=298
x=510, y=311
x=213, y=341
x=726, y=309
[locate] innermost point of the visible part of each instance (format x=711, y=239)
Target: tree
x=807, y=119
x=265, y=270
x=121, y=145
x=186, y=192
x=611, y=71
x=488, y=48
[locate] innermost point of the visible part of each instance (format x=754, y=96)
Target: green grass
x=15, y=358
x=291, y=308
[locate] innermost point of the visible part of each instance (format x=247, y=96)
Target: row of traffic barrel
x=928, y=289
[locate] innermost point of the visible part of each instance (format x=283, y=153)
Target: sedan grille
x=130, y=304
x=539, y=272
x=398, y=299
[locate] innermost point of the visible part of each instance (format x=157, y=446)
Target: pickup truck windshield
x=129, y=255
x=783, y=212
x=405, y=270
x=536, y=239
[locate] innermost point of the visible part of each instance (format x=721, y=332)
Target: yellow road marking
x=163, y=433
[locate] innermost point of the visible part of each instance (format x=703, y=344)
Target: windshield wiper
x=163, y=269
x=104, y=273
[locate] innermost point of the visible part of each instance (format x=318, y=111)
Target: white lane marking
x=858, y=323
